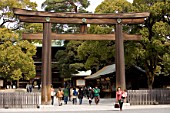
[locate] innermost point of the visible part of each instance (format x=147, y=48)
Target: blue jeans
x=65, y=99
x=80, y=101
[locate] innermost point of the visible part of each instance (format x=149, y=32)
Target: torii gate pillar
x=46, y=65
x=120, y=64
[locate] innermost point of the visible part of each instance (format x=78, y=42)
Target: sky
x=91, y=8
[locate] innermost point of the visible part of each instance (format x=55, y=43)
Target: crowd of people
x=76, y=95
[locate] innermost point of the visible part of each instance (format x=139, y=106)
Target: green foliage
x=151, y=53
x=166, y=62
x=65, y=5
x=101, y=53
x=6, y=7
x=16, y=57
x=68, y=60
x=112, y=6
x=33, y=28
x=96, y=53
x=100, y=29
x=6, y=34
x=154, y=45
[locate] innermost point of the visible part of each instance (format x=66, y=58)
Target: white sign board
x=80, y=82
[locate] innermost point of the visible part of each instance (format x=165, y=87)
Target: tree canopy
x=151, y=53
x=154, y=47
x=16, y=55
x=101, y=53
x=65, y=5
x=68, y=61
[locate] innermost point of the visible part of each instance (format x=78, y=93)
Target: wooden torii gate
x=47, y=18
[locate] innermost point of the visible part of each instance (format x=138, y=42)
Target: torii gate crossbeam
x=83, y=19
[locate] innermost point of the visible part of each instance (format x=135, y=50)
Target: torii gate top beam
x=77, y=18
x=80, y=15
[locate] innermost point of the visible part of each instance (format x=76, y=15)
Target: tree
x=16, y=55
x=6, y=9
x=115, y=6
x=65, y=5
x=154, y=47
x=152, y=52
x=94, y=52
x=70, y=63
x=68, y=60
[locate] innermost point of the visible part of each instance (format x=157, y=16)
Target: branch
x=75, y=7
x=2, y=24
x=5, y=21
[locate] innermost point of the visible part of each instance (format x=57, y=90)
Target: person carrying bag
x=59, y=96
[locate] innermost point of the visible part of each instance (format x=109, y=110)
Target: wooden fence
x=148, y=97
x=19, y=100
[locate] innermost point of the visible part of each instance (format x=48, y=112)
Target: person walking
x=119, y=99
x=27, y=87
x=74, y=96
x=124, y=96
x=66, y=94
x=80, y=95
x=52, y=95
x=60, y=96
x=96, y=95
x=90, y=95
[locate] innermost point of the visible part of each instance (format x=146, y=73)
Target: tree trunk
x=17, y=85
x=150, y=77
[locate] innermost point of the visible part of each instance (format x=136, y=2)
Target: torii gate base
x=83, y=19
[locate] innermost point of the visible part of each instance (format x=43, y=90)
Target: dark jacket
x=80, y=94
x=90, y=93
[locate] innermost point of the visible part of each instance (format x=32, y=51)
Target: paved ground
x=105, y=106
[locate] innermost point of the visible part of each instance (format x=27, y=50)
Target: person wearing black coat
x=80, y=95
x=90, y=95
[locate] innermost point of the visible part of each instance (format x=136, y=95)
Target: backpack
x=75, y=93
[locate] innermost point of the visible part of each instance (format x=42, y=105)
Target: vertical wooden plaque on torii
x=83, y=19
